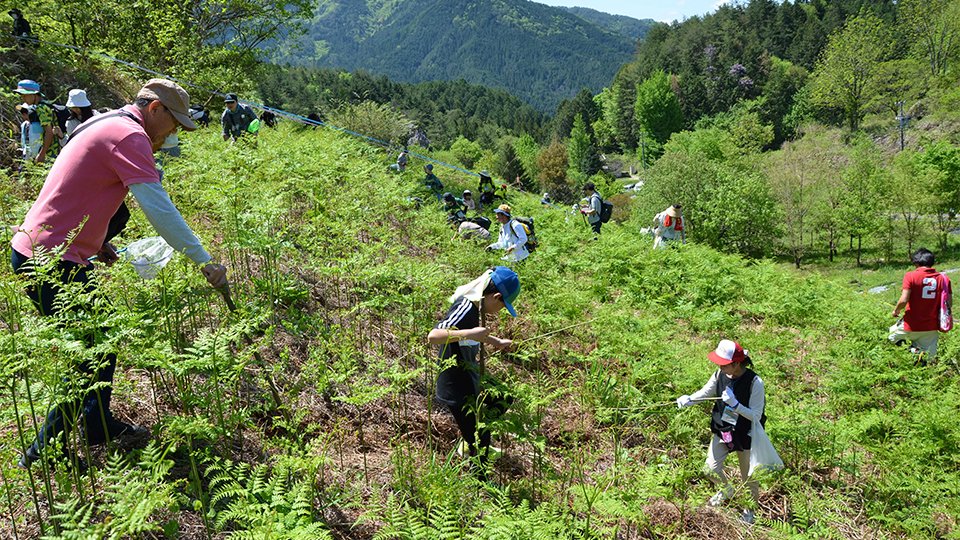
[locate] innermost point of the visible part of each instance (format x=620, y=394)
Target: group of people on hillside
x=477, y=401
x=104, y=157
x=514, y=234
x=45, y=127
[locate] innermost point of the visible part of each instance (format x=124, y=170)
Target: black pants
x=471, y=404
x=596, y=226
x=93, y=407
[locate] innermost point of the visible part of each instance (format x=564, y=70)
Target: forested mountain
x=619, y=24
x=741, y=52
x=539, y=53
x=442, y=110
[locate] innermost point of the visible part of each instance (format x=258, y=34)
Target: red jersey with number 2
x=923, y=309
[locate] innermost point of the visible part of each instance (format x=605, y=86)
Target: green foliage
x=466, y=151
x=743, y=123
x=540, y=53
x=509, y=166
x=379, y=121
x=657, y=108
x=135, y=495
x=262, y=503
x=552, y=164
x=527, y=151
x=846, y=75
x=213, y=46
x=784, y=81
x=703, y=51
x=445, y=110
x=934, y=26
x=323, y=411
x=581, y=152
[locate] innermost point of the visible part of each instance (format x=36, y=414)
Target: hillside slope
x=539, y=53
x=324, y=428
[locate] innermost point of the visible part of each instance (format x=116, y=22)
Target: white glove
x=684, y=401
x=729, y=398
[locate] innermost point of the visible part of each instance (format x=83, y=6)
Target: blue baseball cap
x=27, y=86
x=508, y=284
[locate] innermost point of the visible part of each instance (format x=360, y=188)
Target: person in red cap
x=741, y=403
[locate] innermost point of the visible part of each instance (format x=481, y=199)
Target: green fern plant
x=259, y=502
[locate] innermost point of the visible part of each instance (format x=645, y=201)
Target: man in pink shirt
x=921, y=298
x=108, y=156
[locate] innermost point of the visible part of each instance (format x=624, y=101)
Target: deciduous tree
x=845, y=76
x=657, y=108
x=934, y=26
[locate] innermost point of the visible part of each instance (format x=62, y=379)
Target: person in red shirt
x=921, y=298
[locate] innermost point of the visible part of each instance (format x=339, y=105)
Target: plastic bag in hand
x=149, y=256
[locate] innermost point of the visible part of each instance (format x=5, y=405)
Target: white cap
x=78, y=98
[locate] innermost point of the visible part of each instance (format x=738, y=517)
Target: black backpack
x=61, y=112
x=482, y=221
x=606, y=211
x=527, y=223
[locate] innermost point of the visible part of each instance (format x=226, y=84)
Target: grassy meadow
x=307, y=412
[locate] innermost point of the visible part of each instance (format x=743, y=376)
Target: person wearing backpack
x=668, y=226
x=513, y=236
x=43, y=120
x=742, y=401
x=920, y=297
x=593, y=208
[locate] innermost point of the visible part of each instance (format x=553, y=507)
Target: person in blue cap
x=43, y=121
x=474, y=401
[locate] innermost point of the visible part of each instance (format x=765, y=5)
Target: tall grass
x=308, y=410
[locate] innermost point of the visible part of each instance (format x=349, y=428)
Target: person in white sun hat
x=741, y=402
x=81, y=110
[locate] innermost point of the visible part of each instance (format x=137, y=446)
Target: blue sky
x=660, y=10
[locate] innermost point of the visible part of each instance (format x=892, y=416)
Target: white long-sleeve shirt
x=512, y=235
x=166, y=219
x=757, y=397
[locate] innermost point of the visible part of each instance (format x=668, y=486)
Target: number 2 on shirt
x=929, y=288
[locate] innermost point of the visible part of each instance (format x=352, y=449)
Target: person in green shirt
x=432, y=183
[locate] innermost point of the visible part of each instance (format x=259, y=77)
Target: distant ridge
x=632, y=28
x=539, y=53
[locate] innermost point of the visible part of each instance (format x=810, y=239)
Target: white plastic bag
x=762, y=454
x=149, y=255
